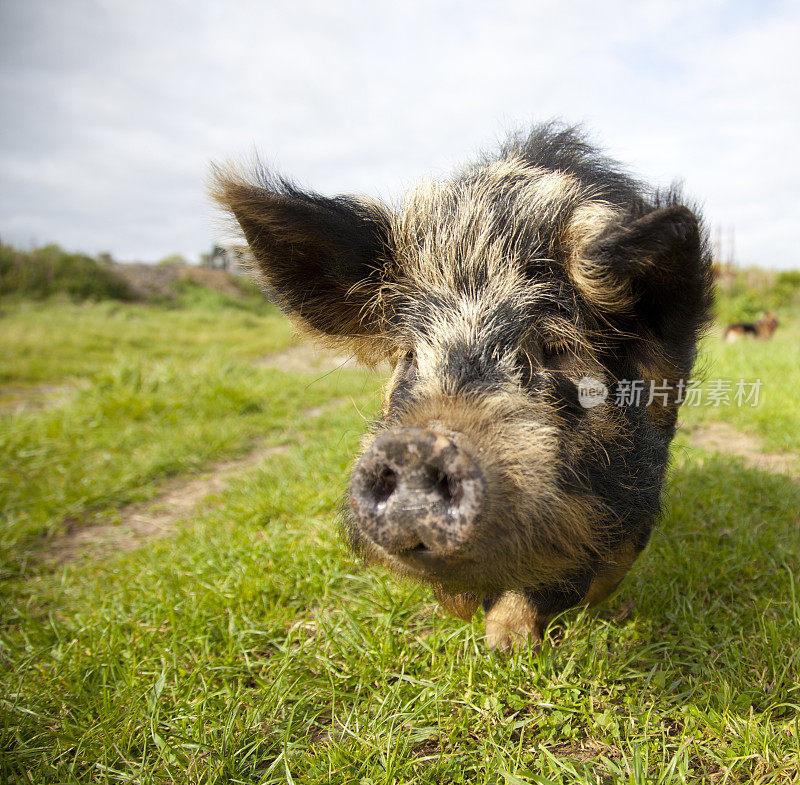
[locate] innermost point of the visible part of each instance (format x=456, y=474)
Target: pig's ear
x=651, y=276
x=319, y=258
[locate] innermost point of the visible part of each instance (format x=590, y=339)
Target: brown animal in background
x=496, y=294
x=763, y=329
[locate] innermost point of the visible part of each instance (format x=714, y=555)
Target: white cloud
x=115, y=109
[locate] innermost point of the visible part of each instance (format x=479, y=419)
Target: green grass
x=133, y=426
x=776, y=418
x=250, y=647
x=56, y=341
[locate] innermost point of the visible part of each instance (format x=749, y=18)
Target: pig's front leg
x=609, y=577
x=512, y=621
x=519, y=617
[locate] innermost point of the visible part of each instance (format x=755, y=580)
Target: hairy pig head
x=520, y=302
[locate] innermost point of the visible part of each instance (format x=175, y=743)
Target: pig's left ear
x=319, y=258
x=652, y=275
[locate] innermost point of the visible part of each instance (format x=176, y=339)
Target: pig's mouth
x=457, y=573
x=419, y=497
x=430, y=564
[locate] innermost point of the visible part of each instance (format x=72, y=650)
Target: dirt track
x=724, y=438
x=178, y=499
x=156, y=518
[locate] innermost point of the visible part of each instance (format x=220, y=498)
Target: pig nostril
x=383, y=484
x=449, y=488
x=442, y=482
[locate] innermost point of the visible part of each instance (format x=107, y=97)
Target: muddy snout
x=415, y=491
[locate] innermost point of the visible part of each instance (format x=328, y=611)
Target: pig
x=497, y=295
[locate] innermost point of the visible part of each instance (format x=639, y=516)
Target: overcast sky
x=111, y=109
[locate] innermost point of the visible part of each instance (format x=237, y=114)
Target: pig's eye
x=409, y=356
x=555, y=353
x=553, y=349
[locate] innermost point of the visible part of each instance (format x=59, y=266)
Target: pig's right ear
x=320, y=259
x=652, y=278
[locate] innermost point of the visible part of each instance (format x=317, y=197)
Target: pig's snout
x=415, y=492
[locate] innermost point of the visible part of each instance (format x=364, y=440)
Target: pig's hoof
x=512, y=623
x=507, y=641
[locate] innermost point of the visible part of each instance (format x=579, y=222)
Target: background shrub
x=43, y=272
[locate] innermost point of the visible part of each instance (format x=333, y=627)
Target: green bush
x=174, y=260
x=44, y=272
x=750, y=294
x=786, y=291
x=192, y=294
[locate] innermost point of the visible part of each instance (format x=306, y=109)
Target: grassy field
x=247, y=646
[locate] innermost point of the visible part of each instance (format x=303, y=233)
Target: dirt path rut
x=177, y=500
x=724, y=438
